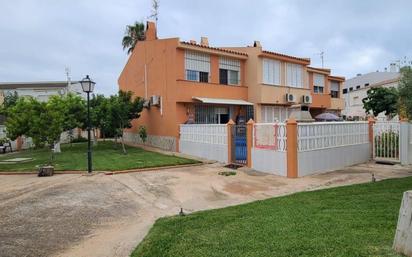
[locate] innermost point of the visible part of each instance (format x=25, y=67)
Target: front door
x=239, y=145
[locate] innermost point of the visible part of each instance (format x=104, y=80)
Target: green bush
x=143, y=133
x=4, y=140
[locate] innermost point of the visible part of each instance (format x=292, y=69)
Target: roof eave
x=212, y=50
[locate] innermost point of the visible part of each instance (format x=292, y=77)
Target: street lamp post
x=88, y=86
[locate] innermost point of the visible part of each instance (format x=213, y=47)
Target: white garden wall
x=328, y=146
x=208, y=141
x=334, y=158
x=269, y=148
x=269, y=161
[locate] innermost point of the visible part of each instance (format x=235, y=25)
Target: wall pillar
x=404, y=142
x=178, y=139
x=249, y=142
x=371, y=122
x=230, y=125
x=292, y=148
x=19, y=143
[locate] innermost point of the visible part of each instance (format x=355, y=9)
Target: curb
x=153, y=168
x=104, y=172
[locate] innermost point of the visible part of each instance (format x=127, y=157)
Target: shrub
x=143, y=133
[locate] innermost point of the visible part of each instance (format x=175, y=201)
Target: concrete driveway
x=74, y=215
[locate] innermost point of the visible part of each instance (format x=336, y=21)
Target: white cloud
x=38, y=38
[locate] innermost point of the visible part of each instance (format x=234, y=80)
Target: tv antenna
x=322, y=57
x=68, y=71
x=155, y=11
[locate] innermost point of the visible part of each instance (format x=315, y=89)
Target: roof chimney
x=204, y=41
x=257, y=44
x=150, y=33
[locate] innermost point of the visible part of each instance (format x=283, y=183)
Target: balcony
x=321, y=101
x=186, y=90
x=337, y=103
x=269, y=94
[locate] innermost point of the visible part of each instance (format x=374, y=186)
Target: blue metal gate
x=239, y=147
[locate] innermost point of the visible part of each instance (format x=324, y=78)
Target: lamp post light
x=88, y=86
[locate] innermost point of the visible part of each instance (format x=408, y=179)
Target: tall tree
x=99, y=114
x=123, y=108
x=405, y=92
x=133, y=34
x=44, y=121
x=381, y=100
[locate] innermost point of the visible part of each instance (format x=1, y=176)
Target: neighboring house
x=355, y=90
x=188, y=82
x=40, y=90
x=271, y=76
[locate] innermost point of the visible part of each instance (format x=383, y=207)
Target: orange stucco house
x=186, y=82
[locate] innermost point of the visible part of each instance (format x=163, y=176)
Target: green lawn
x=107, y=156
x=351, y=221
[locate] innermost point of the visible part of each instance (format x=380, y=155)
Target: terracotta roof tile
x=287, y=56
x=214, y=48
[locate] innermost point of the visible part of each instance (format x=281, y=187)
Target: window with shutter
x=197, y=66
x=271, y=71
x=229, y=71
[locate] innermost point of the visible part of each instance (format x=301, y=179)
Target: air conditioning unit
x=307, y=99
x=155, y=100
x=146, y=104
x=290, y=98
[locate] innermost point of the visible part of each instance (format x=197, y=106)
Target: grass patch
x=227, y=173
x=350, y=221
x=107, y=156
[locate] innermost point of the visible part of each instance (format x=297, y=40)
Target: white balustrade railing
x=270, y=136
x=204, y=133
x=321, y=135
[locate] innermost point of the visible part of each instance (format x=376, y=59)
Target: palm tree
x=133, y=34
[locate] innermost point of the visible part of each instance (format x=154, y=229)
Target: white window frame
x=230, y=64
x=272, y=114
x=271, y=71
x=197, y=62
x=294, y=75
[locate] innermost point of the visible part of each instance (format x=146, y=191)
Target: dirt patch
x=244, y=188
x=50, y=220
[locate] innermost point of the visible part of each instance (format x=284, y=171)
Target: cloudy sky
x=39, y=38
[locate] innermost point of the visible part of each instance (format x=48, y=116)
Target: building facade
x=187, y=82
x=355, y=90
x=40, y=90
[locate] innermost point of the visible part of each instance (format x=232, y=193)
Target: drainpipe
x=145, y=81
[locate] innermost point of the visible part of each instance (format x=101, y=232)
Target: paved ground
x=74, y=215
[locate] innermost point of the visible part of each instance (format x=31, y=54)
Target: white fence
x=327, y=146
x=322, y=135
x=208, y=141
x=386, y=141
x=269, y=148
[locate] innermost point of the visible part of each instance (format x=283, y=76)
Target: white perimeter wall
x=328, y=159
x=269, y=161
x=208, y=141
x=205, y=151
